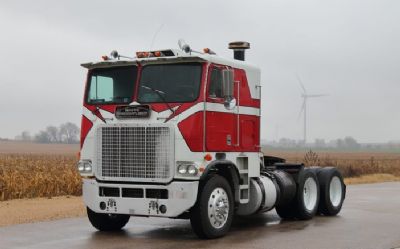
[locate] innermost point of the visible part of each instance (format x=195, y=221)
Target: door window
x=215, y=88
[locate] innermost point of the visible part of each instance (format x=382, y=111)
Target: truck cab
x=176, y=134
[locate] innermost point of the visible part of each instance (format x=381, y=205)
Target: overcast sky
x=348, y=49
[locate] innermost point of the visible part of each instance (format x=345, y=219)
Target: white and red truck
x=175, y=133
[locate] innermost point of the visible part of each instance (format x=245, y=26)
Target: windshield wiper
x=160, y=94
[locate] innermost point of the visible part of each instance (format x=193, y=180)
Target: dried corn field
x=35, y=175
x=351, y=164
x=47, y=175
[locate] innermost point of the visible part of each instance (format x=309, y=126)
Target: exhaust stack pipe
x=239, y=48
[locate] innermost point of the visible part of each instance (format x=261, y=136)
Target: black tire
x=287, y=189
x=286, y=212
x=297, y=209
x=200, y=217
x=331, y=202
x=107, y=222
x=301, y=210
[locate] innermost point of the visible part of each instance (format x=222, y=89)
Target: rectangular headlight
x=85, y=166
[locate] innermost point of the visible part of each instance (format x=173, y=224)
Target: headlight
x=88, y=167
x=85, y=166
x=182, y=169
x=192, y=170
x=187, y=168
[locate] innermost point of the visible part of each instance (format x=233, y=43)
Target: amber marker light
x=208, y=157
x=139, y=54
x=104, y=57
x=157, y=54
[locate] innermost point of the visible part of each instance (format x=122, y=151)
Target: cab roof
x=169, y=56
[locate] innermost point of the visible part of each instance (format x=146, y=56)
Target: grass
x=372, y=178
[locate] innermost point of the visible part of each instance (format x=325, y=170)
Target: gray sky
x=349, y=49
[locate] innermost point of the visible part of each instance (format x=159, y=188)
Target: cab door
x=221, y=123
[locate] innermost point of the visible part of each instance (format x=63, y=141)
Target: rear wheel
x=307, y=198
x=107, y=222
x=212, y=215
x=305, y=204
x=332, y=191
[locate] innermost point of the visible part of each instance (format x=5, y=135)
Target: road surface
x=370, y=218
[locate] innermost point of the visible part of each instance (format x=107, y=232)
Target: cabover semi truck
x=175, y=133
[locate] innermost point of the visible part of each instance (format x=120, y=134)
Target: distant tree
x=350, y=142
x=53, y=134
x=24, y=136
x=42, y=137
x=340, y=143
x=320, y=143
x=69, y=133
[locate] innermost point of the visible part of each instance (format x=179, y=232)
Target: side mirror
x=227, y=89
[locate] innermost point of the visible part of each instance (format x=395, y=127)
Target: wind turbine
x=303, y=109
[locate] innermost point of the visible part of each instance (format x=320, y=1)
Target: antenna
x=155, y=35
x=303, y=109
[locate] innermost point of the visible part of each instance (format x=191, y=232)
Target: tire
x=207, y=220
x=333, y=191
x=287, y=189
x=307, y=196
x=107, y=222
x=286, y=212
x=304, y=206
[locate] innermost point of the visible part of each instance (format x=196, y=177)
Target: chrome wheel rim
x=335, y=191
x=218, y=208
x=310, y=194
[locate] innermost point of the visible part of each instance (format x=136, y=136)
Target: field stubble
x=29, y=176
x=46, y=175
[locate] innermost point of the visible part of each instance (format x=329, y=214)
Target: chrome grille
x=138, y=152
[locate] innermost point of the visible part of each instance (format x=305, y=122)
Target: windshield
x=111, y=85
x=174, y=82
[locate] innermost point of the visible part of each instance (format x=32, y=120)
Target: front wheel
x=107, y=222
x=212, y=215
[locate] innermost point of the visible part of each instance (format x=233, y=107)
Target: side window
x=215, y=89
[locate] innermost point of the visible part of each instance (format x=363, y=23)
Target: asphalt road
x=370, y=218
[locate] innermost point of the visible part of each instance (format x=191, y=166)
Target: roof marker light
x=157, y=54
x=139, y=54
x=105, y=57
x=208, y=51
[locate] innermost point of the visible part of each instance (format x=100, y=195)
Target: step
x=244, y=201
x=243, y=171
x=243, y=186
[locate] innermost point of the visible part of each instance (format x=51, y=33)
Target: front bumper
x=181, y=197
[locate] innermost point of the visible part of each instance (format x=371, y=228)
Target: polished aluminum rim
x=335, y=191
x=310, y=193
x=218, y=208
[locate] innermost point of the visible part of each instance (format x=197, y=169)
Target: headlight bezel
x=85, y=167
x=187, y=169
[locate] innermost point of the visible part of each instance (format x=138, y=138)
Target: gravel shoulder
x=40, y=209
